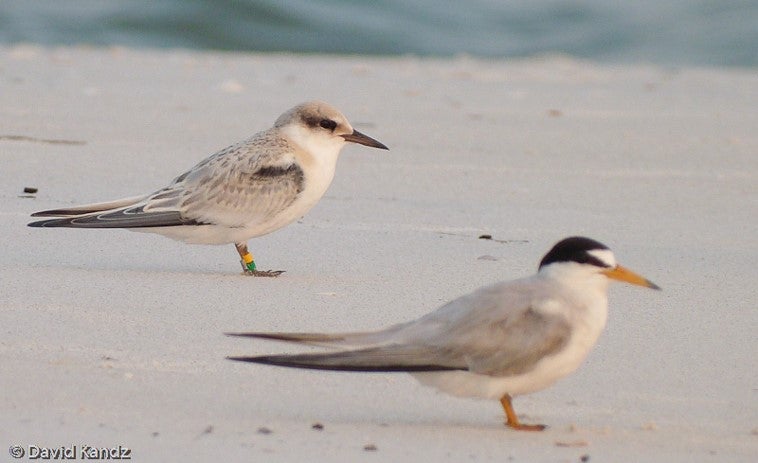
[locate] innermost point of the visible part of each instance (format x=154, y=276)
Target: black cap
x=575, y=249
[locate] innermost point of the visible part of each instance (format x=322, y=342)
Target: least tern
x=245, y=190
x=503, y=340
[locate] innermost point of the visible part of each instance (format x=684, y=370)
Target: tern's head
x=579, y=257
x=318, y=127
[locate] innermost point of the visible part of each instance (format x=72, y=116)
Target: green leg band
x=248, y=263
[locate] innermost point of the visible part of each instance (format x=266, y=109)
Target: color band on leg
x=248, y=262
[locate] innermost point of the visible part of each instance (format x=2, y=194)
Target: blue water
x=668, y=32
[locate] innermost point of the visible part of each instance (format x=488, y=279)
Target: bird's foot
x=511, y=420
x=248, y=264
x=263, y=273
x=526, y=427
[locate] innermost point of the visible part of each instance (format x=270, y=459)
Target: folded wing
x=391, y=358
x=494, y=331
x=120, y=218
x=215, y=192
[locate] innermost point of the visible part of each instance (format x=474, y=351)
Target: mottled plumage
x=246, y=190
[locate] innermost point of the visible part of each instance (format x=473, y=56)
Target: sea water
x=667, y=32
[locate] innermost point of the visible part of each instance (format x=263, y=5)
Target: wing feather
x=496, y=331
x=392, y=358
x=90, y=208
x=243, y=184
x=239, y=197
x=120, y=218
x=498, y=328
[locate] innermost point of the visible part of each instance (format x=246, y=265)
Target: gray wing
x=240, y=197
x=133, y=217
x=387, y=359
x=243, y=184
x=517, y=347
x=493, y=331
x=233, y=187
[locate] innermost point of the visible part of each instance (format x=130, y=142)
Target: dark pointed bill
x=624, y=274
x=357, y=137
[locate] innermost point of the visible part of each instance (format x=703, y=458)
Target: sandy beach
x=116, y=338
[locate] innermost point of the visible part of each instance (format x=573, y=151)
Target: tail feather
x=364, y=360
x=316, y=339
x=120, y=218
x=350, y=339
x=89, y=208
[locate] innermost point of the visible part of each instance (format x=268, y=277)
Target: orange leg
x=512, y=420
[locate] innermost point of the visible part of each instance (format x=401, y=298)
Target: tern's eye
x=328, y=124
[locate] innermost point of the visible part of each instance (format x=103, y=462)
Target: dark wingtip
x=44, y=223
x=244, y=359
x=274, y=360
x=241, y=335
x=59, y=213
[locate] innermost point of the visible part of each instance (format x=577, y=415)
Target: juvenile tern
x=249, y=189
x=501, y=341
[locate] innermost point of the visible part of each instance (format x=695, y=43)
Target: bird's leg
x=248, y=263
x=512, y=420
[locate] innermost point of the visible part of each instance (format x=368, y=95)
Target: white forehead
x=604, y=255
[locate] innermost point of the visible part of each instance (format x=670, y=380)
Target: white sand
x=111, y=337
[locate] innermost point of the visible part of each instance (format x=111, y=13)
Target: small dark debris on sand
x=317, y=426
x=370, y=448
x=208, y=430
x=29, y=192
x=489, y=237
x=264, y=430
x=584, y=458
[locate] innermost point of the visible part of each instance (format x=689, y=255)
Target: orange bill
x=623, y=274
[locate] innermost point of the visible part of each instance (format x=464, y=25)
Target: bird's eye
x=328, y=124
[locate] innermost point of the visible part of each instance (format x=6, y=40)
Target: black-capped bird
x=501, y=341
